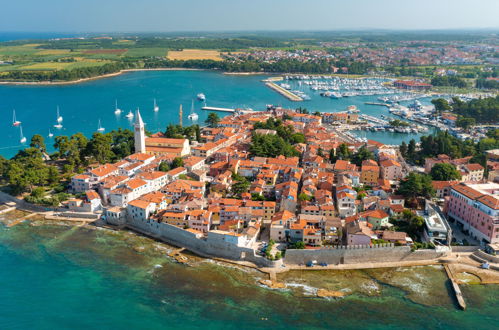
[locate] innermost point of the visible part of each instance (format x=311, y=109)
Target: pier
x=455, y=287
x=377, y=103
x=287, y=94
x=218, y=109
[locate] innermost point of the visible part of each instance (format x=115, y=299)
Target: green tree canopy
x=444, y=172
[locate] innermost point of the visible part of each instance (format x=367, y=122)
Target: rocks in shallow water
x=139, y=248
x=273, y=285
x=323, y=293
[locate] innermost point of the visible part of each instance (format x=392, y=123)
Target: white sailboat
x=23, y=139
x=156, y=107
x=129, y=115
x=193, y=116
x=58, y=120
x=117, y=110
x=50, y=134
x=100, y=128
x=59, y=117
x=201, y=97
x=15, y=122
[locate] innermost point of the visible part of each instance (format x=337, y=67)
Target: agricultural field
x=195, y=54
x=146, y=52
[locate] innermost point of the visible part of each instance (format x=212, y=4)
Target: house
x=396, y=237
x=377, y=219
x=443, y=188
x=369, y=173
x=436, y=227
x=472, y=172
x=391, y=170
x=90, y=203
x=359, y=233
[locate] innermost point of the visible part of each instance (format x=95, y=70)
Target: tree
x=441, y=105
x=343, y=152
x=465, y=123
x=411, y=150
x=164, y=167
x=298, y=245
x=361, y=155
x=444, y=172
x=320, y=152
x=177, y=162
x=403, y=149
x=99, y=147
x=304, y=197
x=416, y=185
x=332, y=156
x=37, y=141
x=212, y=120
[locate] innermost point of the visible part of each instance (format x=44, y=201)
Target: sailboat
x=23, y=139
x=201, y=97
x=59, y=117
x=117, y=110
x=193, y=116
x=130, y=115
x=100, y=128
x=15, y=122
x=50, y=134
x=156, y=108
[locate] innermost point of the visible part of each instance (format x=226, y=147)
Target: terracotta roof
x=139, y=203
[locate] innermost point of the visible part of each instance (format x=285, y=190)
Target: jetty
x=455, y=287
x=377, y=103
x=218, y=109
x=284, y=92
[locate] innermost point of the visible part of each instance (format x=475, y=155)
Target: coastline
x=109, y=75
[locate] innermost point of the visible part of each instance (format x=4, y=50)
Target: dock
x=377, y=103
x=284, y=92
x=455, y=287
x=18, y=221
x=218, y=109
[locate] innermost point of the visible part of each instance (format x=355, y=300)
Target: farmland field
x=146, y=52
x=53, y=52
x=194, y=54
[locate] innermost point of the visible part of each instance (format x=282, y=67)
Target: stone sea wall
x=182, y=238
x=360, y=254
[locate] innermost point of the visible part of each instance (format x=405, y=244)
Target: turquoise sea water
x=62, y=278
x=82, y=105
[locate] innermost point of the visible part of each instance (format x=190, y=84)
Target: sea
x=83, y=105
x=65, y=277
x=59, y=277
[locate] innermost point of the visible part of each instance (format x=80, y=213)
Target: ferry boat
x=155, y=108
x=23, y=138
x=201, y=97
x=15, y=122
x=117, y=110
x=193, y=116
x=59, y=117
x=129, y=115
x=100, y=128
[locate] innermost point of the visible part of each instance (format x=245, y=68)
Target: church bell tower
x=139, y=134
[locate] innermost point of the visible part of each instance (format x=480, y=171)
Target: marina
x=111, y=100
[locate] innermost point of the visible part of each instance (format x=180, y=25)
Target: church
x=158, y=146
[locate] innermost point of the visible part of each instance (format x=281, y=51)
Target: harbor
x=284, y=92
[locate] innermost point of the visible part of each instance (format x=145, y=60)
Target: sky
x=244, y=15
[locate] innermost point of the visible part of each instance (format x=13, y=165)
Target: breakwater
x=284, y=92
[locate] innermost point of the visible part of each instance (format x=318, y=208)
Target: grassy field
x=146, y=52
x=54, y=52
x=195, y=54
